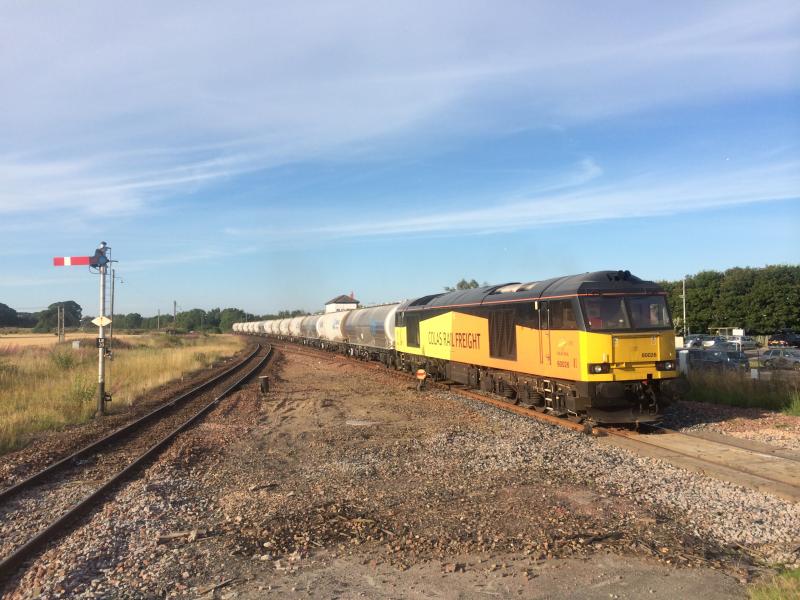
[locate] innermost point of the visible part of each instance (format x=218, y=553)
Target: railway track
x=753, y=465
x=46, y=505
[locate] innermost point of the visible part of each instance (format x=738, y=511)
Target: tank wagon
x=597, y=346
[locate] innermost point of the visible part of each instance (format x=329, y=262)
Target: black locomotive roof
x=598, y=282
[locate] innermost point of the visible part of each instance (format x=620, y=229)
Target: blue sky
x=273, y=155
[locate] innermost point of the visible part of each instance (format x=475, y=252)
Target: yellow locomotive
x=598, y=345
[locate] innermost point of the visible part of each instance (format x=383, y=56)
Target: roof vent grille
x=620, y=276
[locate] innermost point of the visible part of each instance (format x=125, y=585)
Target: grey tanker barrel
x=308, y=327
x=294, y=326
x=283, y=326
x=330, y=326
x=372, y=326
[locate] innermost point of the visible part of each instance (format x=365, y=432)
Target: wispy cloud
x=575, y=202
x=114, y=114
x=203, y=255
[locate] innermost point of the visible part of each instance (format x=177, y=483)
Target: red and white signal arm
x=71, y=261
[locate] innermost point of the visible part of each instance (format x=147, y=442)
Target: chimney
x=352, y=295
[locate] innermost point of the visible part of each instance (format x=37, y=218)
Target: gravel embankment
x=344, y=464
x=727, y=513
x=754, y=424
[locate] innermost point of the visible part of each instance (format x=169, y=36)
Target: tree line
x=216, y=320
x=762, y=300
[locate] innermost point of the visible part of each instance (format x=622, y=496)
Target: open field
x=49, y=387
x=41, y=340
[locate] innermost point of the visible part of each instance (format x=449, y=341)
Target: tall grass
x=737, y=389
x=46, y=388
x=784, y=586
x=794, y=404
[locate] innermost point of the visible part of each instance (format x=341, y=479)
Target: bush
x=83, y=389
x=64, y=360
x=201, y=357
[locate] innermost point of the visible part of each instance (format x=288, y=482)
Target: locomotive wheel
x=537, y=402
x=508, y=392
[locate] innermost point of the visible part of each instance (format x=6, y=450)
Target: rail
x=769, y=470
x=62, y=524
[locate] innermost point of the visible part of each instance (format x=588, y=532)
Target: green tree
x=285, y=314
x=26, y=319
x=762, y=300
x=133, y=321
x=8, y=316
x=48, y=318
x=213, y=317
x=229, y=316
x=463, y=285
x=191, y=320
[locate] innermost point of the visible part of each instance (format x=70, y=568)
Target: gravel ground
x=31, y=510
x=345, y=482
x=769, y=427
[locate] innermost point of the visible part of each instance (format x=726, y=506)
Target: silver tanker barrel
x=308, y=327
x=372, y=326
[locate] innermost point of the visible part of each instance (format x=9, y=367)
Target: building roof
x=342, y=300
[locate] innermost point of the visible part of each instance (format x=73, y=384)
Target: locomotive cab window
x=603, y=313
x=527, y=315
x=649, y=312
x=562, y=315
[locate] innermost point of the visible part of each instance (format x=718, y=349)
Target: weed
x=64, y=360
x=82, y=390
x=201, y=358
x=793, y=408
x=783, y=586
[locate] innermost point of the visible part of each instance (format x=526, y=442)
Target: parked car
x=781, y=358
x=785, y=338
x=713, y=341
x=713, y=359
x=694, y=341
x=745, y=342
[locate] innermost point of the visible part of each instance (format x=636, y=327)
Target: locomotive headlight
x=665, y=365
x=599, y=368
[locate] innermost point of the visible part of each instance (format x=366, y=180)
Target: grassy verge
x=47, y=388
x=739, y=390
x=784, y=586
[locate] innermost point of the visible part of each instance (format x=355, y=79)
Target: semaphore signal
x=71, y=261
x=98, y=260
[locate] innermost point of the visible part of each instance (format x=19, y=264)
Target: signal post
x=100, y=262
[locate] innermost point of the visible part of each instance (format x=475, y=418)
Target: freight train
x=598, y=346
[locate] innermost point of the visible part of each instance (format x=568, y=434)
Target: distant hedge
x=762, y=300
